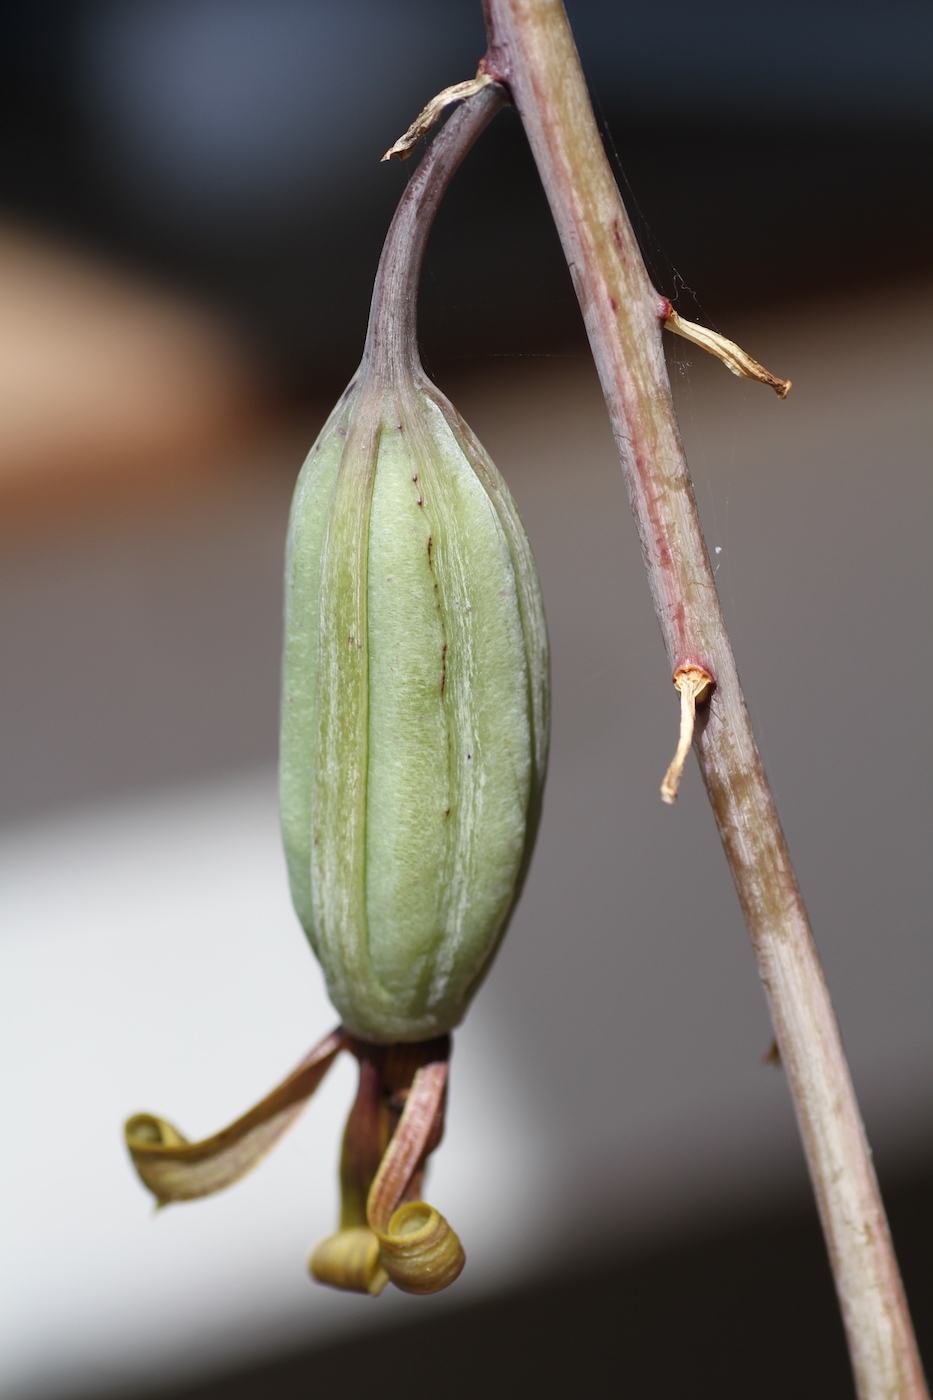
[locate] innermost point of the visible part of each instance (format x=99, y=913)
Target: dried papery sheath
x=415, y=692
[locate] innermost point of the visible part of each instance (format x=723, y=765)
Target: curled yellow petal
x=419, y=1250
x=177, y=1170
x=350, y=1260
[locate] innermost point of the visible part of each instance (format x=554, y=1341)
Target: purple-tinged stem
x=391, y=337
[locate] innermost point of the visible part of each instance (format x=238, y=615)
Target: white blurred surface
x=151, y=960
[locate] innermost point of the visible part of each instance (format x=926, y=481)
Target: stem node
x=429, y=114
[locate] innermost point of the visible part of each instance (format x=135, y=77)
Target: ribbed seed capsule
x=415, y=707
x=414, y=744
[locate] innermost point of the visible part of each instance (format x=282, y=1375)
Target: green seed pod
x=415, y=708
x=415, y=693
x=413, y=752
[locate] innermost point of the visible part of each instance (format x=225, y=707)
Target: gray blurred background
x=192, y=211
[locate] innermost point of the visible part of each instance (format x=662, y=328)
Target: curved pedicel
x=415, y=680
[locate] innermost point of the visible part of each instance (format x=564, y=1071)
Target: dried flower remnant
x=694, y=684
x=735, y=359
x=426, y=118
x=414, y=742
x=386, y=1231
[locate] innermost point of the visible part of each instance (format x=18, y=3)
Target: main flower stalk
x=531, y=49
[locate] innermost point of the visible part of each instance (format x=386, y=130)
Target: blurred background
x=191, y=212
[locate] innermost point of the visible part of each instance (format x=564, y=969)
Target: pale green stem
x=531, y=50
